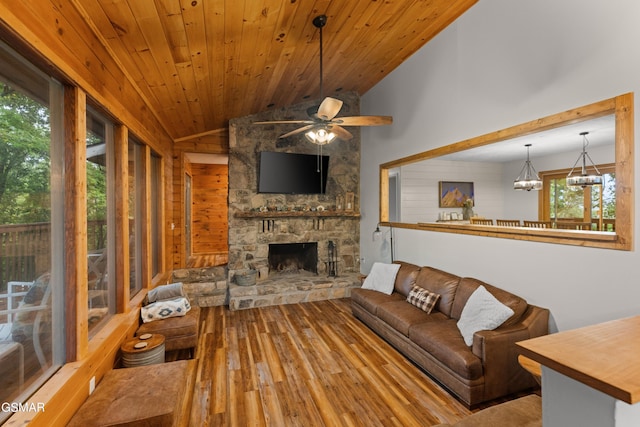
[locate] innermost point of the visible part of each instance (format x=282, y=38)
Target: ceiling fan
x=323, y=125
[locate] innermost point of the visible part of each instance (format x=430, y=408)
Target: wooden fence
x=25, y=249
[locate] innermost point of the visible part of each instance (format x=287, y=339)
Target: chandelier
x=528, y=179
x=584, y=178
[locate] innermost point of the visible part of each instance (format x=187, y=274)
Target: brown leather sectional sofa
x=487, y=370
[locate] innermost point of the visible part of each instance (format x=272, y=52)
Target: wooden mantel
x=297, y=214
x=602, y=356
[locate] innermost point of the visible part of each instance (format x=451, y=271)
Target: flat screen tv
x=292, y=173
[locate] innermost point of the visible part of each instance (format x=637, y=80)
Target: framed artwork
x=454, y=193
x=349, y=202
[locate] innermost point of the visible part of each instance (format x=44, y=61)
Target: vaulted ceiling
x=198, y=63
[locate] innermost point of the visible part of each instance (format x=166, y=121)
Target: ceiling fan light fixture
x=584, y=179
x=320, y=136
x=528, y=179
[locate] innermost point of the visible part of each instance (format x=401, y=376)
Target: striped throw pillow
x=422, y=298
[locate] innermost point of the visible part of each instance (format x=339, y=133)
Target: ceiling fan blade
x=297, y=131
x=329, y=108
x=364, y=120
x=284, y=122
x=341, y=132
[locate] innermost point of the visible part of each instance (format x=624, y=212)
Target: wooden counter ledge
x=602, y=356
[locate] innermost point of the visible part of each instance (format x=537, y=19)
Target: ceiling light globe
x=527, y=185
x=320, y=137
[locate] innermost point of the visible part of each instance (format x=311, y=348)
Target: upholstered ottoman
x=179, y=332
x=140, y=396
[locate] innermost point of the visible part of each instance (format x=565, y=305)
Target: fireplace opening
x=293, y=257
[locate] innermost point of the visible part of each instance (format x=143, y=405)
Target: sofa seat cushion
x=444, y=342
x=370, y=300
x=401, y=315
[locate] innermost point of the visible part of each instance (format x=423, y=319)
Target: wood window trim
x=544, y=196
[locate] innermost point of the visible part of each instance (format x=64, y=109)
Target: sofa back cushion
x=442, y=283
x=406, y=277
x=468, y=285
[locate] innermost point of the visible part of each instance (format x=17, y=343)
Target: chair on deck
x=508, y=222
x=537, y=224
x=481, y=221
x=32, y=319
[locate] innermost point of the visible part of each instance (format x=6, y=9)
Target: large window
x=101, y=286
x=31, y=228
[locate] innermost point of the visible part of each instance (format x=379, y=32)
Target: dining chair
x=481, y=221
x=508, y=222
x=537, y=224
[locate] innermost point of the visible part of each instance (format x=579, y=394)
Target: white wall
x=502, y=63
x=420, y=188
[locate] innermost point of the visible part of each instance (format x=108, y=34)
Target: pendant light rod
x=320, y=134
x=319, y=22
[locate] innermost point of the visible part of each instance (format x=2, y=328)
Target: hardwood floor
x=310, y=364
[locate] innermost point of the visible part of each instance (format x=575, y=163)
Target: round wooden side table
x=147, y=349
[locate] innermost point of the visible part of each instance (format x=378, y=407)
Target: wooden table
x=592, y=373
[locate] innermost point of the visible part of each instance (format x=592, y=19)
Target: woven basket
x=246, y=278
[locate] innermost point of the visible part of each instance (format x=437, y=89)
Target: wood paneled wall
x=210, y=191
x=217, y=143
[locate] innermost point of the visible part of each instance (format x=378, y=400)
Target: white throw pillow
x=382, y=277
x=482, y=312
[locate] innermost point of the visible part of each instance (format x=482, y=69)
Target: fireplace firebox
x=293, y=257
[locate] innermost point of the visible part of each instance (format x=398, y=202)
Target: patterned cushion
x=165, y=309
x=422, y=298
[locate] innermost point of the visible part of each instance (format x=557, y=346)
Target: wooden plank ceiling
x=199, y=63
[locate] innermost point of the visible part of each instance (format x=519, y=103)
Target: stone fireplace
x=258, y=222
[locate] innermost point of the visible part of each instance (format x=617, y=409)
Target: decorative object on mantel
x=528, y=179
x=584, y=178
x=339, y=202
x=453, y=194
x=349, y=201
x=467, y=209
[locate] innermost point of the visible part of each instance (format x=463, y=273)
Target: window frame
x=544, y=200
x=20, y=73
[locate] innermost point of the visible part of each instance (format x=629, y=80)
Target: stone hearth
x=292, y=289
